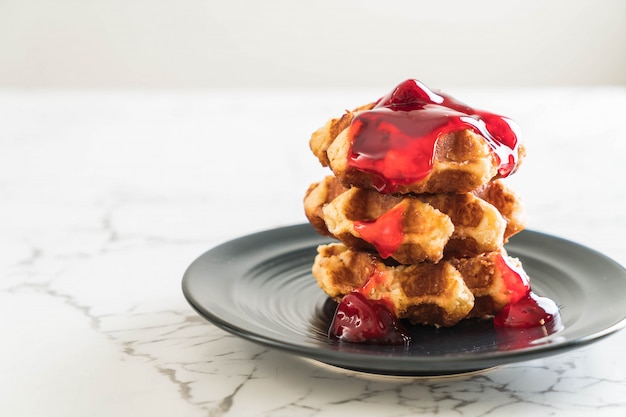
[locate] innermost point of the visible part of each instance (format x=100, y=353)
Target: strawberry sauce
x=515, y=279
x=525, y=309
x=529, y=311
x=385, y=232
x=359, y=320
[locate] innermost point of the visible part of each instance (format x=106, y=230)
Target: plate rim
x=421, y=365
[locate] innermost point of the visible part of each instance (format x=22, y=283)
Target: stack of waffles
x=417, y=207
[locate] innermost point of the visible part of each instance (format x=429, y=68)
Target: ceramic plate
x=260, y=287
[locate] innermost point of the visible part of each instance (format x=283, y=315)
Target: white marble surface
x=105, y=198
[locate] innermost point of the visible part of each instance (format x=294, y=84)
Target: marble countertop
x=107, y=197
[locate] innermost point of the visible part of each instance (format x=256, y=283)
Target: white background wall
x=290, y=44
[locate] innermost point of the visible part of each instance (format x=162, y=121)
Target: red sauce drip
x=530, y=311
x=359, y=320
x=385, y=232
x=395, y=141
x=525, y=308
x=515, y=279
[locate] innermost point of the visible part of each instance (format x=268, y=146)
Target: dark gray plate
x=260, y=287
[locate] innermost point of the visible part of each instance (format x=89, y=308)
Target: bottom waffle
x=440, y=294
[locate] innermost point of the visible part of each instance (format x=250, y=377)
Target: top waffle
x=418, y=141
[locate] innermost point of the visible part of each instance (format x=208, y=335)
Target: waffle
x=508, y=204
x=431, y=225
x=440, y=294
x=462, y=160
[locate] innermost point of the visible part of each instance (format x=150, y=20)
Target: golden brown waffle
x=425, y=293
x=439, y=294
x=508, y=204
x=433, y=225
x=463, y=161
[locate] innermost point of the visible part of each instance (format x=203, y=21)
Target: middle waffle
x=413, y=228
